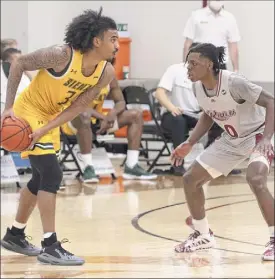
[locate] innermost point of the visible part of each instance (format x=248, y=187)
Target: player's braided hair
x=83, y=28
x=215, y=54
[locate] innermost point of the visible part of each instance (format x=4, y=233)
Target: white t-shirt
x=25, y=81
x=179, y=87
x=204, y=26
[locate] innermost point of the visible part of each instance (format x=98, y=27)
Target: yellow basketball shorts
x=50, y=142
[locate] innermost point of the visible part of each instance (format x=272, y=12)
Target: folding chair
x=138, y=96
x=68, y=143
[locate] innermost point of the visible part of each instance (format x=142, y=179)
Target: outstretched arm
x=52, y=57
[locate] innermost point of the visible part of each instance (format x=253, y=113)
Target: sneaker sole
x=268, y=258
x=91, y=180
x=17, y=249
x=198, y=249
x=48, y=259
x=141, y=177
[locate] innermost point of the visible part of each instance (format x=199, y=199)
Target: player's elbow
x=17, y=65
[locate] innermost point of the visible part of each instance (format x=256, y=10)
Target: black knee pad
x=33, y=184
x=49, y=171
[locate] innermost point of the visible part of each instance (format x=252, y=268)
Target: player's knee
x=51, y=179
x=136, y=115
x=85, y=119
x=189, y=180
x=257, y=182
x=82, y=121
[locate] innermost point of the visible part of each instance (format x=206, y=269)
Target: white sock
x=271, y=231
x=201, y=225
x=132, y=158
x=87, y=159
x=18, y=225
x=47, y=235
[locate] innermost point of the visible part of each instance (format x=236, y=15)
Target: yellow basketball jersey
x=51, y=92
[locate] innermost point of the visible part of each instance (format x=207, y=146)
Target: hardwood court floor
x=129, y=229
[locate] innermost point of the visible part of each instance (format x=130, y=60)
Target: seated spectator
x=8, y=43
x=117, y=118
x=8, y=56
x=12, y=43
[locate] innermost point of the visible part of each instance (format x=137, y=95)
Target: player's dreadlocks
x=215, y=54
x=85, y=27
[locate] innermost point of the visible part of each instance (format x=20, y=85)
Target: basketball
x=15, y=135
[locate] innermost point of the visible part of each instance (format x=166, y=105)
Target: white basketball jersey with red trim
x=238, y=120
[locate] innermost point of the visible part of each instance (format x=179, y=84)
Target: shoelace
x=25, y=240
x=65, y=252
x=194, y=235
x=271, y=242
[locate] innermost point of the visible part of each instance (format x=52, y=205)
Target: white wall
x=156, y=30
x=14, y=22
x=256, y=23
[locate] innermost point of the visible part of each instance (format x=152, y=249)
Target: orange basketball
x=15, y=135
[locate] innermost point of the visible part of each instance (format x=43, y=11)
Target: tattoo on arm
x=50, y=57
x=45, y=58
x=88, y=96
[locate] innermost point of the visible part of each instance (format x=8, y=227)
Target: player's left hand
x=265, y=147
x=111, y=117
x=107, y=123
x=104, y=126
x=35, y=136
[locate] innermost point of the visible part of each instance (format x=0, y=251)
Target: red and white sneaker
x=196, y=241
x=268, y=254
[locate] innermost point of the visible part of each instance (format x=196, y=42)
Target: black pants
x=177, y=128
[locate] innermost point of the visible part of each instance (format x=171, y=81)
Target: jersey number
x=231, y=131
x=67, y=99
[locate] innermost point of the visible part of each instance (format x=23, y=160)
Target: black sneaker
x=56, y=255
x=178, y=171
x=19, y=244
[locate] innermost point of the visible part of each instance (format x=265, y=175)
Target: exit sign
x=122, y=27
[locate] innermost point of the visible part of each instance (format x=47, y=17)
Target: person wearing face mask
x=213, y=24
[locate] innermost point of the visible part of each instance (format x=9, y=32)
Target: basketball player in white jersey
x=246, y=113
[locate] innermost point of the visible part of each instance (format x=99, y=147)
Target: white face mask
x=216, y=5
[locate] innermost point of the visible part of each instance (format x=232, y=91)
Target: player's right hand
x=176, y=111
x=7, y=113
x=180, y=152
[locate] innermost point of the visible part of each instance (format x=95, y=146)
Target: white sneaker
x=268, y=254
x=196, y=241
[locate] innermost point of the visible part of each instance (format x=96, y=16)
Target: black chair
x=68, y=143
x=152, y=132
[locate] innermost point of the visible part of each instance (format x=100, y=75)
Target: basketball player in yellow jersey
x=69, y=79
x=118, y=117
